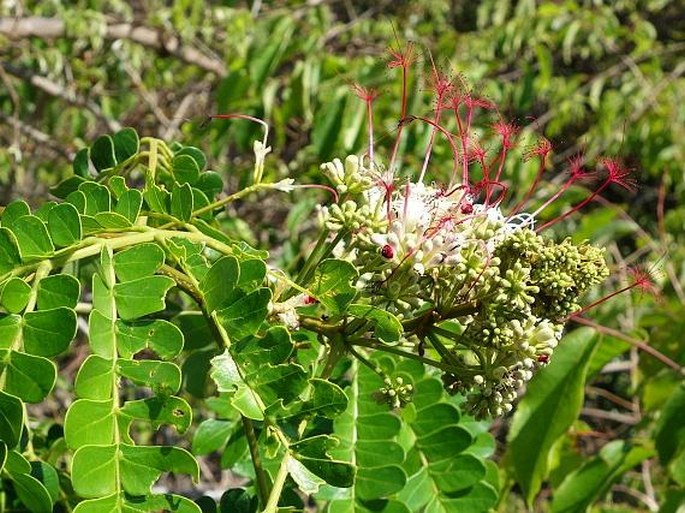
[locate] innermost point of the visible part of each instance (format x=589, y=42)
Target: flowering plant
x=405, y=276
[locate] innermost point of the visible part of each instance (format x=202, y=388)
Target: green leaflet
x=387, y=327
x=141, y=297
x=333, y=284
x=32, y=238
x=27, y=376
x=121, y=503
x=138, y=262
x=49, y=332
x=58, y=290
x=9, y=252
x=15, y=295
x=11, y=420
x=139, y=468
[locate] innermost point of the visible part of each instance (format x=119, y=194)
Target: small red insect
x=543, y=358
x=309, y=300
x=387, y=251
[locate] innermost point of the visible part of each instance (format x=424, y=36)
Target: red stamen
x=368, y=96
x=542, y=149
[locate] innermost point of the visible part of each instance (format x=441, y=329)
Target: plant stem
x=252, y=443
x=279, y=482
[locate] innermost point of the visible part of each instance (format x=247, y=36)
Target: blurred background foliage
x=598, y=77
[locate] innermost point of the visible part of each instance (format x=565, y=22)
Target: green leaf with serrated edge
x=13, y=211
x=126, y=144
x=333, y=284
x=244, y=317
x=64, y=225
x=78, y=200
x=102, y=153
x=94, y=378
x=387, y=327
x=9, y=252
x=185, y=169
x=157, y=199
x=161, y=376
x=160, y=410
x=582, y=487
x=81, y=163
x=182, y=203
x=218, y=284
x=551, y=404
x=129, y=204
x=43, y=211
x=102, y=336
x=117, y=185
x=252, y=273
x=10, y=329
x=94, y=468
x=32, y=237
x=305, y=480
x=31, y=492
x=98, y=198
x=670, y=429
x=138, y=262
x=15, y=295
x=89, y=422
x=313, y=454
x=211, y=435
x=121, y=503
x=49, y=332
x=58, y=290
x=158, y=335
x=11, y=419
x=274, y=347
x=226, y=375
x=141, y=297
x=67, y=186
x=196, y=154
x=112, y=220
x=27, y=376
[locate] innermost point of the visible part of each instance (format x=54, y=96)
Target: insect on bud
x=543, y=358
x=387, y=251
x=309, y=300
x=467, y=208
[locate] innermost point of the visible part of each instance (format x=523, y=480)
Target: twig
x=40, y=137
x=610, y=415
x=50, y=28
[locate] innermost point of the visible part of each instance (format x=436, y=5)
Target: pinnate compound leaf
x=94, y=378
x=141, y=297
x=15, y=295
x=49, y=332
x=9, y=252
x=551, y=404
x=158, y=335
x=89, y=422
x=27, y=376
x=138, y=262
x=333, y=284
x=244, y=317
x=58, y=290
x=387, y=327
x=11, y=420
x=592, y=480
x=219, y=283
x=182, y=202
x=33, y=238
x=94, y=468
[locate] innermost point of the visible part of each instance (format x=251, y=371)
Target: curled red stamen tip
x=367, y=94
x=643, y=280
x=618, y=173
x=542, y=148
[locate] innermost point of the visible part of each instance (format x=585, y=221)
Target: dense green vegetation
x=600, y=427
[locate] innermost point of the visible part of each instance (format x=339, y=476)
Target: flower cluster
x=475, y=284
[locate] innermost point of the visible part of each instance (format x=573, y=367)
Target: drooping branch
x=51, y=28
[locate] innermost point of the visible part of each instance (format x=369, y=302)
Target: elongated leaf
x=11, y=420
x=387, y=327
x=548, y=409
x=112, y=220
x=32, y=237
x=32, y=493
